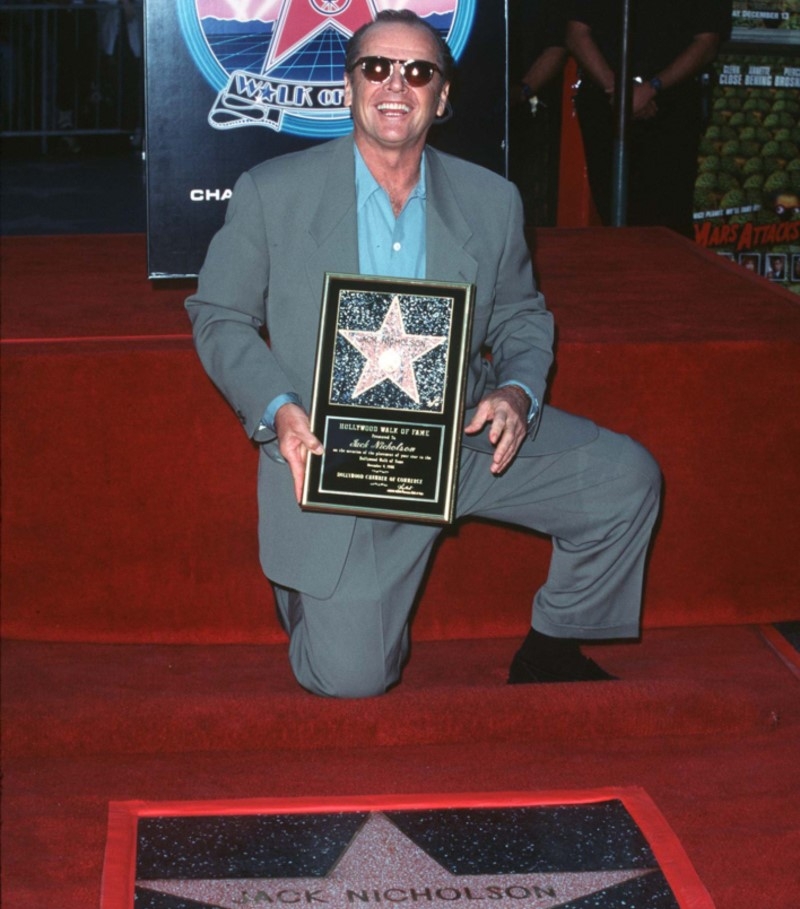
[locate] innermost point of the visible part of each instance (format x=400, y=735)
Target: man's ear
x=348, y=91
x=443, y=96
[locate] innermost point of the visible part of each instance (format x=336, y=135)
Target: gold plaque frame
x=388, y=398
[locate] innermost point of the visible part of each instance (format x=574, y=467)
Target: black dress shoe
x=577, y=669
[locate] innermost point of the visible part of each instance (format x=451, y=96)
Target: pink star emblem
x=300, y=20
x=381, y=858
x=391, y=353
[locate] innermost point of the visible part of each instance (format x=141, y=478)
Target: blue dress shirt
x=388, y=246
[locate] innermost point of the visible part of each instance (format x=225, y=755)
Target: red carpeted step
x=129, y=509
x=65, y=699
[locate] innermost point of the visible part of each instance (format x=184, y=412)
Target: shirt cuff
x=533, y=412
x=268, y=420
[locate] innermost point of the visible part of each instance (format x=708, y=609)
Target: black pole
x=622, y=106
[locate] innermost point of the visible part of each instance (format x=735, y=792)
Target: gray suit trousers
x=598, y=502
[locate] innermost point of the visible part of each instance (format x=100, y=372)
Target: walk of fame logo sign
x=280, y=63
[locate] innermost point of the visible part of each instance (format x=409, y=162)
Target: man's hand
x=295, y=440
x=506, y=409
x=643, y=101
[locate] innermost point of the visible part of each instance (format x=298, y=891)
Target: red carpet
x=707, y=721
x=657, y=338
x=135, y=617
x=611, y=846
x=72, y=700
x=788, y=653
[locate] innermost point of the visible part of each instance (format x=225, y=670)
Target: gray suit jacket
x=290, y=220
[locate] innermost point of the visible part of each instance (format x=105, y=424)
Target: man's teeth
x=403, y=108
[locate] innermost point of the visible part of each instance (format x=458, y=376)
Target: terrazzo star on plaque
x=391, y=353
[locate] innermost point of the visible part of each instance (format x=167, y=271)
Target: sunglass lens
x=376, y=69
x=418, y=73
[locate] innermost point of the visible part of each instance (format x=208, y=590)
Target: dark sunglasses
x=415, y=73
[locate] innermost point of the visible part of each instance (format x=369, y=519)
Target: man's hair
x=444, y=59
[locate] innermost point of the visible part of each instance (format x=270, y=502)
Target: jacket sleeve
x=228, y=310
x=520, y=330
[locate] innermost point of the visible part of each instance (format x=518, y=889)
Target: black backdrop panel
x=230, y=83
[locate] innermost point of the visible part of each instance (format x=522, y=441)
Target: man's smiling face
x=392, y=114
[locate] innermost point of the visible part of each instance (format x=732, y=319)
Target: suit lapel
x=333, y=229
x=448, y=230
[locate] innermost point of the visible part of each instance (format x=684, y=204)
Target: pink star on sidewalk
x=383, y=862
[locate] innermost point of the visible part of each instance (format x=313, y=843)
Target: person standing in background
x=537, y=54
x=670, y=46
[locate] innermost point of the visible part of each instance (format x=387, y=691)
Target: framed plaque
x=388, y=400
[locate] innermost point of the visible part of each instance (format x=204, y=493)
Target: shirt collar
x=367, y=185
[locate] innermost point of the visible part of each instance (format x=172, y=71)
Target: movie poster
x=766, y=20
x=230, y=83
x=747, y=192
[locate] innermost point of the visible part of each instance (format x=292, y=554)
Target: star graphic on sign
x=300, y=20
x=383, y=864
x=391, y=353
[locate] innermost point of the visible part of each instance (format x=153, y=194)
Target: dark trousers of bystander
x=661, y=157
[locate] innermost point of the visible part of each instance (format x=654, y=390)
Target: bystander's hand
x=644, y=101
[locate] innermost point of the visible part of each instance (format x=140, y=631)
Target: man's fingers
x=295, y=457
x=295, y=440
x=312, y=444
x=479, y=419
x=501, y=408
x=299, y=477
x=498, y=426
x=507, y=444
